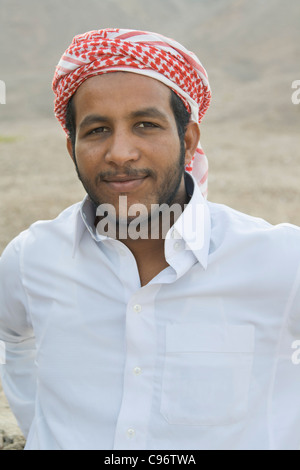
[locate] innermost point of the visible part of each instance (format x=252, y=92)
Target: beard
x=165, y=194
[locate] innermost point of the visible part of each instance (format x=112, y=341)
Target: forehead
x=121, y=91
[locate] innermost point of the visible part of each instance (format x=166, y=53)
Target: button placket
x=138, y=370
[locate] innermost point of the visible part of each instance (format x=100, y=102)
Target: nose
x=121, y=148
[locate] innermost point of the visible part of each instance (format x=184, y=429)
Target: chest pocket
x=207, y=373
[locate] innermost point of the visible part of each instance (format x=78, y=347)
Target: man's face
x=127, y=142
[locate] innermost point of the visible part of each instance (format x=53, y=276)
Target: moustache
x=130, y=173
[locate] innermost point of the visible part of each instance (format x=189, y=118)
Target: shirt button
x=130, y=433
x=137, y=371
x=137, y=308
x=177, y=246
x=122, y=252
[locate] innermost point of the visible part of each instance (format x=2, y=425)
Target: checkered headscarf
x=146, y=53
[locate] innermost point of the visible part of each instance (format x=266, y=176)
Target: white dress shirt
x=199, y=358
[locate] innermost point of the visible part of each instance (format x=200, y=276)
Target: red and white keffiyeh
x=146, y=53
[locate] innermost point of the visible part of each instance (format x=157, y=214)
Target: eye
x=99, y=130
x=143, y=125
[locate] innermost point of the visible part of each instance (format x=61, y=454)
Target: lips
x=124, y=183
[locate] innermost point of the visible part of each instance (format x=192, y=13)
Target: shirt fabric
x=199, y=358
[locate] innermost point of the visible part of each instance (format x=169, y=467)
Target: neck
x=149, y=256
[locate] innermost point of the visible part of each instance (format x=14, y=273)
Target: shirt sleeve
x=18, y=371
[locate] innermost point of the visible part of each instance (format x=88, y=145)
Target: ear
x=70, y=148
x=191, y=140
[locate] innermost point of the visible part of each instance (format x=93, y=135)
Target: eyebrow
x=150, y=112
x=91, y=119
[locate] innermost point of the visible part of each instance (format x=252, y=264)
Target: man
x=124, y=332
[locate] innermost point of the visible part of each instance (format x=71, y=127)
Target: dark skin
x=127, y=144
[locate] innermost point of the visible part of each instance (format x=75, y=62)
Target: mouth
x=125, y=183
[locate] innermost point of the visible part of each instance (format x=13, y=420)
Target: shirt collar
x=85, y=220
x=193, y=227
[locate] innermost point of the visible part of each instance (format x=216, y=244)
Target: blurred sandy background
x=251, y=134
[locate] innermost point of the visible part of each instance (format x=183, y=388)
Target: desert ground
x=251, y=133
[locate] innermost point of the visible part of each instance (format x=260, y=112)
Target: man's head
x=144, y=54
x=127, y=141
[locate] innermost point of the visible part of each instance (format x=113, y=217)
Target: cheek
x=169, y=154
x=166, y=147
x=87, y=156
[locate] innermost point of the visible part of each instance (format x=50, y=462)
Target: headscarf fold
x=145, y=53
